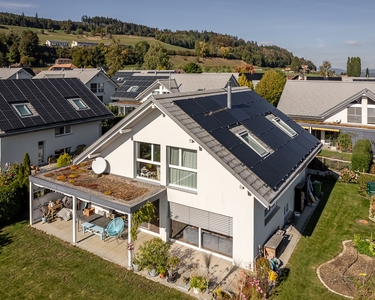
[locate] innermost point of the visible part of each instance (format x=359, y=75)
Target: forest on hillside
x=205, y=44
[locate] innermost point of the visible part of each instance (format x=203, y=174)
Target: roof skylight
x=284, y=127
x=23, y=110
x=250, y=141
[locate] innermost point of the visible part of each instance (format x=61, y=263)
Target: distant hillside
x=205, y=44
x=338, y=71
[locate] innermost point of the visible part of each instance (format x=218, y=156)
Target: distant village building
x=57, y=43
x=83, y=44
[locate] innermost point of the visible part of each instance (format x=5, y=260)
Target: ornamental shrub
x=348, y=176
x=362, y=156
x=363, y=179
x=63, y=160
x=10, y=202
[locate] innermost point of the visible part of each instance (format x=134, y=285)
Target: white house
x=326, y=108
x=62, y=44
x=16, y=73
x=95, y=79
x=225, y=164
x=47, y=117
x=83, y=44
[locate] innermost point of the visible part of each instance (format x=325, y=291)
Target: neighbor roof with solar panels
x=27, y=104
x=258, y=142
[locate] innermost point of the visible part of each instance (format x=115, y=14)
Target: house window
x=354, y=114
x=284, y=127
x=183, y=167
x=286, y=209
x=78, y=103
x=148, y=160
x=133, y=88
x=23, y=110
x=62, y=151
x=101, y=87
x=370, y=115
x=93, y=87
x=62, y=130
x=252, y=143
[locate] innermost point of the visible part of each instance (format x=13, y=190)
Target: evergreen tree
x=367, y=73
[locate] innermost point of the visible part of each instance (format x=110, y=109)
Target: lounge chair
x=115, y=228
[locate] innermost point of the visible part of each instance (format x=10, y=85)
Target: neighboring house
x=122, y=75
x=62, y=67
x=326, y=108
x=224, y=165
x=139, y=87
x=62, y=60
x=95, y=79
x=83, y=44
x=62, y=44
x=16, y=73
x=47, y=117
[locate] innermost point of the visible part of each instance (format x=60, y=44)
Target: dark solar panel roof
x=48, y=97
x=250, y=110
x=142, y=82
x=120, y=77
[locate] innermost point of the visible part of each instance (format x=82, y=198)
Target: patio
x=221, y=271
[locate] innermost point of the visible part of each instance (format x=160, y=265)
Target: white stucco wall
x=13, y=148
x=22, y=74
x=218, y=190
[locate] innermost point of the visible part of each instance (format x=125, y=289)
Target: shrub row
x=362, y=156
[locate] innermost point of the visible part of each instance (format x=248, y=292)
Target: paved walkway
x=293, y=233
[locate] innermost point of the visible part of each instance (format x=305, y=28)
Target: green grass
x=34, y=265
x=334, y=221
x=337, y=155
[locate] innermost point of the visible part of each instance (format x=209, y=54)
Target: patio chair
x=115, y=228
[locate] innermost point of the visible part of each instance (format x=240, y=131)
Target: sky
x=317, y=30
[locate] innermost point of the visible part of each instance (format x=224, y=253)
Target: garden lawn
x=34, y=265
x=336, y=155
x=334, y=221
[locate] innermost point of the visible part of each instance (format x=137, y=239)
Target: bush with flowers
x=348, y=176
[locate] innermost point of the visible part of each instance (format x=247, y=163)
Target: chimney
x=229, y=95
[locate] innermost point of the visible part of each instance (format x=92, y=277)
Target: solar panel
x=209, y=105
x=226, y=137
x=238, y=113
x=258, y=124
x=190, y=106
x=274, y=138
x=268, y=174
x=246, y=155
x=207, y=122
x=224, y=118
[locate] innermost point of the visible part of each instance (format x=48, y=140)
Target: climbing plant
x=145, y=214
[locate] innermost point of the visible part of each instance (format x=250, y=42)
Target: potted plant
x=198, y=283
x=162, y=270
x=43, y=212
x=220, y=294
x=173, y=261
x=136, y=263
x=153, y=255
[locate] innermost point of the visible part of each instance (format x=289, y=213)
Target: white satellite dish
x=99, y=165
x=337, y=121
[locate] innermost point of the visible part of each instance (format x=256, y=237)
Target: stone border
x=318, y=270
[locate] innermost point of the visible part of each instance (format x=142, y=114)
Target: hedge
x=362, y=156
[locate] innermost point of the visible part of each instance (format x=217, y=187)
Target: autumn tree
x=244, y=68
x=140, y=50
x=271, y=86
x=201, y=49
x=116, y=57
x=367, y=73
x=156, y=58
x=243, y=81
x=28, y=43
x=324, y=69
x=224, y=52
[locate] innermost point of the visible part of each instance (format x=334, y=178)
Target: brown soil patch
x=341, y=273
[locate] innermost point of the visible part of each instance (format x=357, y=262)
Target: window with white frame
x=133, y=88
x=62, y=130
x=78, y=103
x=183, y=167
x=370, y=115
x=355, y=114
x=101, y=87
x=23, y=109
x=148, y=160
x=284, y=127
x=252, y=143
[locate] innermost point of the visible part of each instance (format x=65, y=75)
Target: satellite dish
x=99, y=165
x=337, y=121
